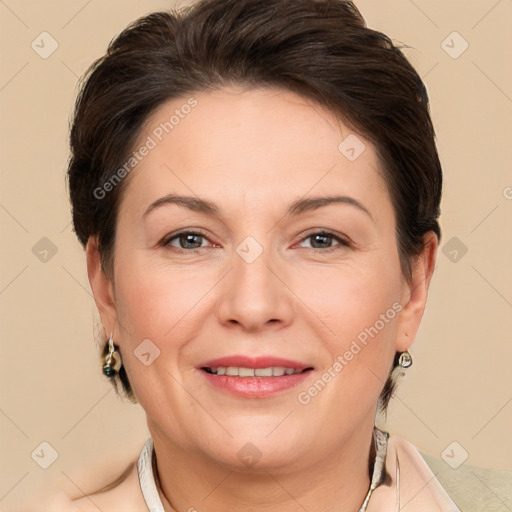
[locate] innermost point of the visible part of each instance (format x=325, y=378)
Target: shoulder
x=471, y=488
x=61, y=502
x=124, y=496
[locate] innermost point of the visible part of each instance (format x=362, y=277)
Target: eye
x=187, y=240
x=193, y=240
x=321, y=240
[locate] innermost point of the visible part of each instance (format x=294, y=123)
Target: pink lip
x=254, y=387
x=253, y=362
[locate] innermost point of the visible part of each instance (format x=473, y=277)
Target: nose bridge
x=256, y=294
x=253, y=273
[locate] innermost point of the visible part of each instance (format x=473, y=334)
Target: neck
x=337, y=482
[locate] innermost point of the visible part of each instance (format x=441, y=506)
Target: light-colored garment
x=404, y=479
x=411, y=485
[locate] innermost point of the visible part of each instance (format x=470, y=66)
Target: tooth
x=263, y=372
x=234, y=371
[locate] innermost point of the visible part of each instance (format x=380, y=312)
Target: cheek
x=164, y=304
x=356, y=309
x=154, y=308
x=350, y=298
x=359, y=313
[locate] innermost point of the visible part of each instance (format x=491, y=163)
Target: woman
x=257, y=188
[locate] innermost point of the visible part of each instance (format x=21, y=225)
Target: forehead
x=253, y=146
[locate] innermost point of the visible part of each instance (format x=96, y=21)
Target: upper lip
x=240, y=361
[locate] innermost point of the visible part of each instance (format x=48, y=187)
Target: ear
x=415, y=292
x=102, y=287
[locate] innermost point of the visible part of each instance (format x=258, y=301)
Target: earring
x=112, y=361
x=405, y=359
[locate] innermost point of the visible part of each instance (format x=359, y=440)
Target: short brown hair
x=320, y=49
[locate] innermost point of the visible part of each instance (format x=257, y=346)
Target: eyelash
x=342, y=242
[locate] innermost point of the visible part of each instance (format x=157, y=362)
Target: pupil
x=189, y=239
x=324, y=237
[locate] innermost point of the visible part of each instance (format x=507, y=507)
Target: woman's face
x=251, y=280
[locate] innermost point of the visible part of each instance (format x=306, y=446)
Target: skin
x=253, y=152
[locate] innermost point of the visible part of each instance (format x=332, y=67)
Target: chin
x=259, y=448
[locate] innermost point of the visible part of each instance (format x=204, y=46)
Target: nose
x=255, y=294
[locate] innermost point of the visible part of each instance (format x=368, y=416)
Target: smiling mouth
x=271, y=371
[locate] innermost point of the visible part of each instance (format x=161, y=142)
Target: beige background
x=459, y=388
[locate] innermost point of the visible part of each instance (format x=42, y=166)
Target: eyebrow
x=296, y=208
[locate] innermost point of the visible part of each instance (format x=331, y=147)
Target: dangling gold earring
x=112, y=361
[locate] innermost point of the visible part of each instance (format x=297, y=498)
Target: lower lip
x=255, y=387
